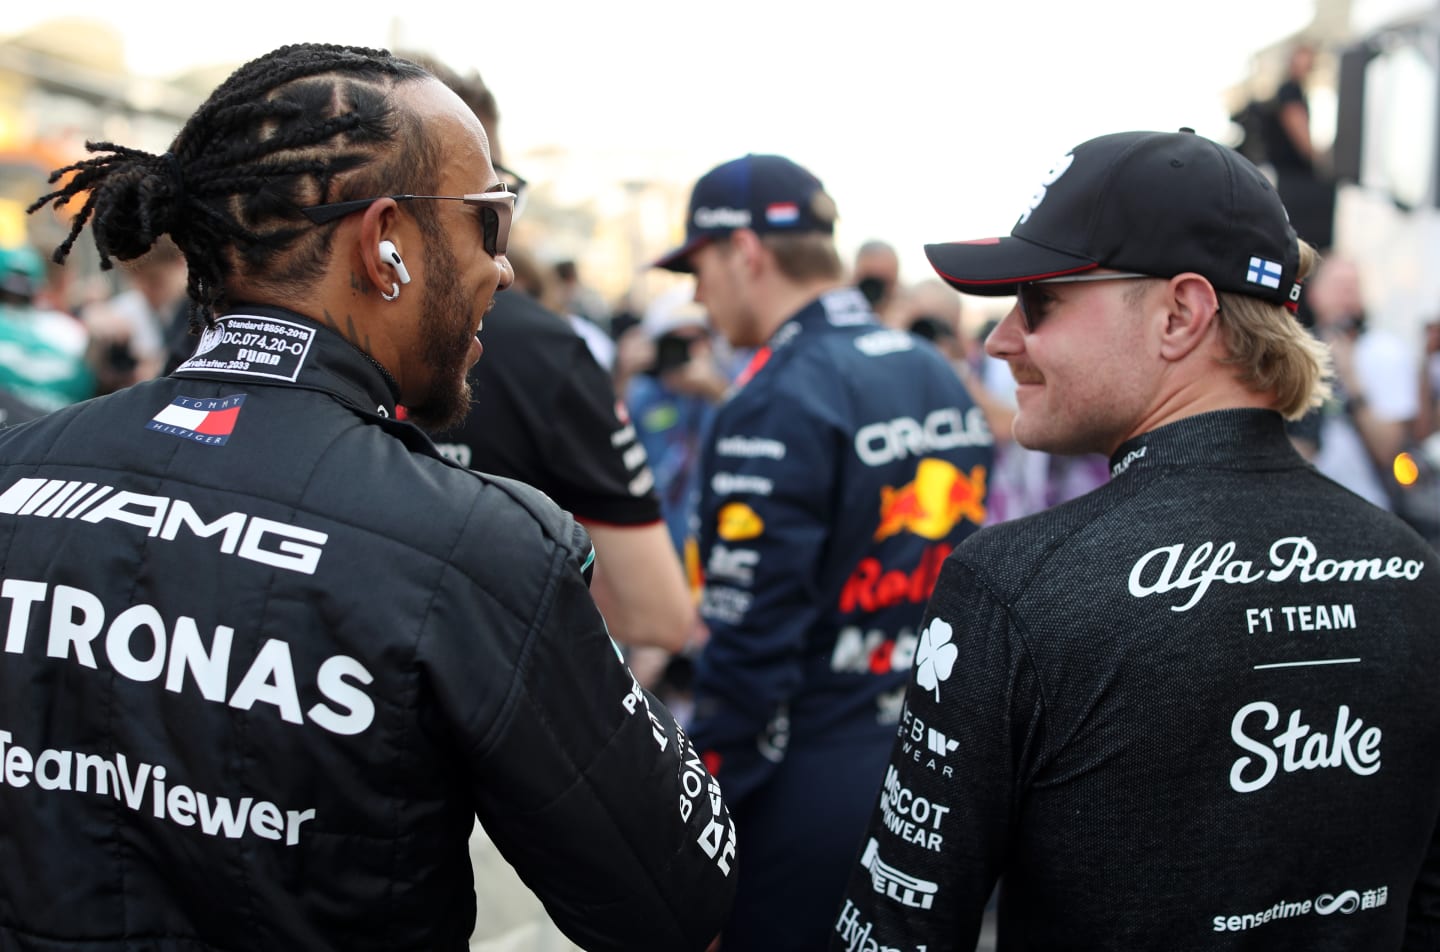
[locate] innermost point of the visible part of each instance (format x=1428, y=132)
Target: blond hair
x=1271, y=353
x=808, y=256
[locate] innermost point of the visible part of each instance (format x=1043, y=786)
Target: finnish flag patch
x=1264, y=272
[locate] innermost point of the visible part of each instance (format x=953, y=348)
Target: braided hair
x=282, y=132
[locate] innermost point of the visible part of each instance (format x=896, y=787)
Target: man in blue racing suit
x=843, y=468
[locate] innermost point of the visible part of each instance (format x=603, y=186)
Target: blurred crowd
x=1378, y=436
x=62, y=341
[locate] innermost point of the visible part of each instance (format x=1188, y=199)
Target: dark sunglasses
x=1033, y=300
x=496, y=209
x=515, y=182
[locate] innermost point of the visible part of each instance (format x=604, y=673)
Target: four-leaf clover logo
x=935, y=658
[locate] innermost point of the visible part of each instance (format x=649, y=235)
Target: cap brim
x=679, y=259
x=994, y=266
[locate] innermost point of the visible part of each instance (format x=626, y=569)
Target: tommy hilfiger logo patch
x=208, y=420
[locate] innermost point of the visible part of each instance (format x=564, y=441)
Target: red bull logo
x=938, y=499
x=872, y=587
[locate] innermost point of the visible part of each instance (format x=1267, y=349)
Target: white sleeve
x=1388, y=372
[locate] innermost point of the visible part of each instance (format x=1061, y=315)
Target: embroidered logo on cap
x=1051, y=177
x=722, y=218
x=208, y=420
x=1264, y=272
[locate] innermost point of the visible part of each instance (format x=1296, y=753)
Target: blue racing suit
x=842, y=471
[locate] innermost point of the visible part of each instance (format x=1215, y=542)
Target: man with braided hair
x=279, y=653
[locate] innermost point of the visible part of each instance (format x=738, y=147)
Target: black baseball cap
x=764, y=193
x=1156, y=203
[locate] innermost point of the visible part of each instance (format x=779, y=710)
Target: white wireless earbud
x=388, y=252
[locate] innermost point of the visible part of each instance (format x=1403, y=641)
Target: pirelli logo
x=240, y=534
x=898, y=885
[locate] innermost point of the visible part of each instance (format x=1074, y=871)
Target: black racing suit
x=267, y=655
x=1194, y=709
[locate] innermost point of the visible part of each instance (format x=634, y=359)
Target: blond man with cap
x=840, y=472
x=1196, y=708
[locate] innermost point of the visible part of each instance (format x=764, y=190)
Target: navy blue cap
x=1159, y=203
x=767, y=194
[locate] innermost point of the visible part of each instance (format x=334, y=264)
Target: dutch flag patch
x=782, y=213
x=1264, y=272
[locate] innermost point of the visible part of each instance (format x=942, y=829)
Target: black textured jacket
x=546, y=413
x=1198, y=708
x=266, y=655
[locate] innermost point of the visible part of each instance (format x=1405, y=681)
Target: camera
x=119, y=359
x=671, y=352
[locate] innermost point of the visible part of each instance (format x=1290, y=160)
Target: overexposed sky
x=928, y=121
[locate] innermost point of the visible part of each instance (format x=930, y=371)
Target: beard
x=446, y=316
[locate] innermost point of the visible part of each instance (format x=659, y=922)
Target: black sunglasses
x=515, y=182
x=1032, y=299
x=496, y=208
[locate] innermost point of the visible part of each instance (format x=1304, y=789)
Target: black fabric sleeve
x=595, y=454
x=591, y=790
x=545, y=413
x=1422, y=916
x=969, y=733
x=1289, y=92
